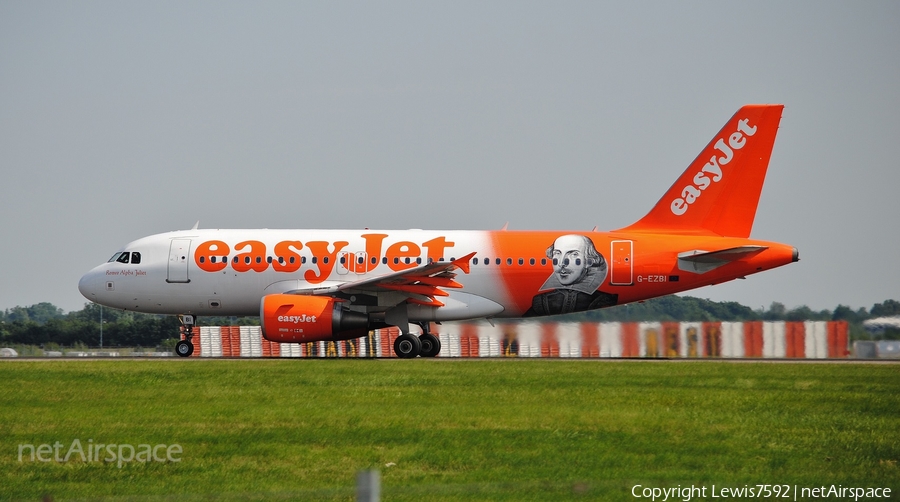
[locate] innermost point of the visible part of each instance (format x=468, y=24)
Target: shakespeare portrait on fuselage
x=313, y=285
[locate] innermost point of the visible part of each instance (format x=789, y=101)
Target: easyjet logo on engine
x=712, y=171
x=297, y=318
x=251, y=255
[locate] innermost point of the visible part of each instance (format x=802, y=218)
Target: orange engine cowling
x=302, y=318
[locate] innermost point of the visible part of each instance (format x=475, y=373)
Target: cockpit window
x=134, y=257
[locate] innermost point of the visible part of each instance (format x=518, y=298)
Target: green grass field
x=447, y=430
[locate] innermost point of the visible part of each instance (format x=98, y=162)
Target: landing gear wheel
x=431, y=345
x=407, y=346
x=184, y=348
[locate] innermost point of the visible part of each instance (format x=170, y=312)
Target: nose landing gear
x=185, y=348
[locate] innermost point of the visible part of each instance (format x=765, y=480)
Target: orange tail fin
x=720, y=190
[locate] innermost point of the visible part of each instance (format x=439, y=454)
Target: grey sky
x=124, y=119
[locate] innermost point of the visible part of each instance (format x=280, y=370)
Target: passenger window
x=487, y=261
x=212, y=259
x=123, y=258
x=325, y=260
x=509, y=261
x=474, y=261
x=531, y=261
x=269, y=259
x=384, y=260
x=374, y=260
x=302, y=259
x=521, y=261
x=291, y=260
x=497, y=261
x=135, y=257
x=343, y=260
x=543, y=261
x=315, y=259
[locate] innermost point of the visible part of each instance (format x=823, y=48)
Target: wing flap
x=421, y=284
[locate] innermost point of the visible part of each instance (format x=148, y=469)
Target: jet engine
x=303, y=318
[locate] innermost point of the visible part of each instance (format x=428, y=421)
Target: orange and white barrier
x=755, y=339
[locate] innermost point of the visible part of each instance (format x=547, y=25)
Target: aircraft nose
x=87, y=285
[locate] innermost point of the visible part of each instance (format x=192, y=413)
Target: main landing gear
x=431, y=345
x=408, y=346
x=185, y=348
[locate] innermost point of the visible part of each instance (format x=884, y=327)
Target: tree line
x=44, y=323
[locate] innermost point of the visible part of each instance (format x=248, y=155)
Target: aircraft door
x=352, y=262
x=622, y=265
x=179, y=251
x=360, y=263
x=345, y=263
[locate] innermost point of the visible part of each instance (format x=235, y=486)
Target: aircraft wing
x=421, y=284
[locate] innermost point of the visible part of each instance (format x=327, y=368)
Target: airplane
x=314, y=285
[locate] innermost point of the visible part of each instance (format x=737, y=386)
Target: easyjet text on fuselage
x=253, y=256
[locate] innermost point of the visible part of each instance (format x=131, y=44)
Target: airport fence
x=780, y=339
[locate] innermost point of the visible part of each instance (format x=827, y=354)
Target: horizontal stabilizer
x=700, y=262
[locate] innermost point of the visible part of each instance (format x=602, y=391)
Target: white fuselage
x=170, y=277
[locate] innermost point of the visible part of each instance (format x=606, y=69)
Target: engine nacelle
x=304, y=318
